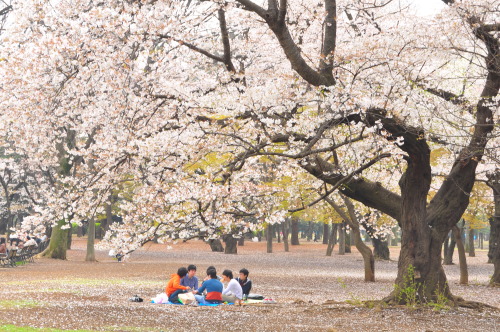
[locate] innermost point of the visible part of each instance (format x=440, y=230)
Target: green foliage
x=408, y=293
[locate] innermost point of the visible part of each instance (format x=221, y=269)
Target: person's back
x=174, y=288
x=214, y=288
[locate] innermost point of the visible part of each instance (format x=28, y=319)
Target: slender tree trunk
x=464, y=237
x=347, y=240
x=231, y=244
x=79, y=231
x=342, y=239
x=446, y=246
x=70, y=238
x=494, y=245
x=295, y=232
x=332, y=240
x=380, y=249
x=309, y=231
x=58, y=242
x=241, y=241
x=464, y=274
x=216, y=245
x=326, y=232
x=285, y=235
x=90, y=257
x=472, y=252
x=278, y=235
x=269, y=236
x=448, y=256
x=481, y=237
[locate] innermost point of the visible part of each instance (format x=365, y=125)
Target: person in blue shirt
x=213, y=287
x=190, y=280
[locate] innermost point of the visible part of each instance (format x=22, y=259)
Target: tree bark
x=285, y=235
x=309, y=231
x=326, y=232
x=241, y=241
x=216, y=245
x=58, y=242
x=347, y=240
x=472, y=252
x=295, y=232
x=90, y=257
x=464, y=274
x=269, y=238
x=494, y=247
x=332, y=240
x=448, y=255
x=342, y=239
x=380, y=249
x=231, y=244
x=70, y=238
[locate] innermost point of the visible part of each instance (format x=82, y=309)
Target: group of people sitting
x=211, y=289
x=18, y=242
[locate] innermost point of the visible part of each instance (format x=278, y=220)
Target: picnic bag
x=186, y=298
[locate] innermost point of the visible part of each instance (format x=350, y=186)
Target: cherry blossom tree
x=140, y=92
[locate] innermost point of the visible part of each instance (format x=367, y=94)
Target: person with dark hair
x=213, y=287
x=3, y=246
x=174, y=288
x=190, y=280
x=233, y=292
x=245, y=282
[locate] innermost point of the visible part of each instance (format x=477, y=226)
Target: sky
x=427, y=7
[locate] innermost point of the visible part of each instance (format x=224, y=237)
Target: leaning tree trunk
x=472, y=252
x=464, y=273
x=58, y=242
x=494, y=250
x=326, y=231
x=216, y=245
x=90, y=257
x=295, y=232
x=231, y=244
x=380, y=249
x=331, y=240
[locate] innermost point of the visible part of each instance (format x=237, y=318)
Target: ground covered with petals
x=314, y=293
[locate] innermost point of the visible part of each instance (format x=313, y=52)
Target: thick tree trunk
x=332, y=240
x=448, y=255
x=295, y=232
x=342, y=239
x=58, y=242
x=241, y=241
x=269, y=238
x=380, y=249
x=90, y=257
x=285, y=235
x=472, y=252
x=231, y=244
x=326, y=232
x=464, y=273
x=216, y=245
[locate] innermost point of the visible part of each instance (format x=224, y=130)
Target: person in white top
x=30, y=242
x=233, y=292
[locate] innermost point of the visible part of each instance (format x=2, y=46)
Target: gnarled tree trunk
x=58, y=242
x=216, y=245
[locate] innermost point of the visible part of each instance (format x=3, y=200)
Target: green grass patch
x=17, y=304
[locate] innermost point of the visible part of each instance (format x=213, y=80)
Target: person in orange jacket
x=174, y=287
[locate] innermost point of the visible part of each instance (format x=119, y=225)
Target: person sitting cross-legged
x=233, y=292
x=213, y=287
x=174, y=288
x=245, y=282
